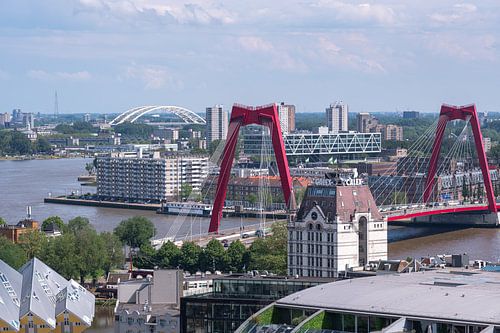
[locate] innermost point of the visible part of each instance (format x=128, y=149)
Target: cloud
x=378, y=13
x=153, y=77
x=458, y=12
x=278, y=57
x=329, y=52
x=68, y=76
x=463, y=47
x=192, y=12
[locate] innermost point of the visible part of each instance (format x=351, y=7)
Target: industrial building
x=37, y=299
x=462, y=300
x=337, y=227
x=149, y=177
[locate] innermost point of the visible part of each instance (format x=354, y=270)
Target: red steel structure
x=241, y=116
x=466, y=113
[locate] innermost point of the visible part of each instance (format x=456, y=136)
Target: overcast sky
x=110, y=55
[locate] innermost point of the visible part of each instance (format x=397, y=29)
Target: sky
x=108, y=56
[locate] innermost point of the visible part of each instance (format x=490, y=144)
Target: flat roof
x=458, y=295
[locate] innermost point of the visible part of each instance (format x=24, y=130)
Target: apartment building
x=153, y=178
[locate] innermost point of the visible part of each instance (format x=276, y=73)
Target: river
x=26, y=183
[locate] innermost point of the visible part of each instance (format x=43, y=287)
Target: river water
x=26, y=183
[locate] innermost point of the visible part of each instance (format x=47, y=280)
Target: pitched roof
x=76, y=300
x=40, y=286
x=10, y=292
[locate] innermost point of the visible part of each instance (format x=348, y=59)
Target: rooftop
x=460, y=295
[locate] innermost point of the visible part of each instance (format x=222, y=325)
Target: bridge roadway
x=435, y=210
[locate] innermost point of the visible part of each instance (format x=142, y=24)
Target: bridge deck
x=437, y=211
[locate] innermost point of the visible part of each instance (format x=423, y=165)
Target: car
x=245, y=236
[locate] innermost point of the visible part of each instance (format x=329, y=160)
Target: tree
x=90, y=251
x=213, y=257
x=90, y=168
x=78, y=224
x=146, y=257
x=60, y=254
x=53, y=220
x=271, y=253
x=113, y=248
x=213, y=146
x=168, y=255
x=190, y=257
x=42, y=145
x=2, y=222
x=12, y=254
x=252, y=198
x=186, y=190
x=236, y=256
x=135, y=231
x=32, y=242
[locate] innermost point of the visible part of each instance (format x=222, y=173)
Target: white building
x=337, y=117
x=217, y=123
x=149, y=178
x=286, y=114
x=336, y=228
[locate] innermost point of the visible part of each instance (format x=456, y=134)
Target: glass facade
x=234, y=300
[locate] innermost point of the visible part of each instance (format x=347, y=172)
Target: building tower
x=56, y=106
x=217, y=123
x=286, y=113
x=336, y=117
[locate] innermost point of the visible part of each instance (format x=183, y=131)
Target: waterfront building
x=217, y=123
x=146, y=318
x=149, y=177
x=14, y=232
x=461, y=300
x=38, y=300
x=337, y=227
x=235, y=298
x=411, y=114
x=246, y=191
x=337, y=117
x=286, y=114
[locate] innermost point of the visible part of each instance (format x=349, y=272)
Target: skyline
x=107, y=56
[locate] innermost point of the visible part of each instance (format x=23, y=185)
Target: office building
x=217, y=123
x=461, y=300
x=486, y=144
x=286, y=115
x=337, y=227
x=411, y=114
x=38, y=300
x=235, y=298
x=392, y=133
x=149, y=177
x=337, y=117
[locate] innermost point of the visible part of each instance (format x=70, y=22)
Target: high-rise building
x=5, y=119
x=149, y=178
x=286, y=114
x=365, y=122
x=337, y=117
x=337, y=227
x=392, y=133
x=217, y=123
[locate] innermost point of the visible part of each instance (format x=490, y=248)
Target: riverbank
x=39, y=157
x=97, y=203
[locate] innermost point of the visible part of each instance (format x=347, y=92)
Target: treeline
x=82, y=253
x=16, y=143
x=268, y=253
x=79, y=253
x=78, y=127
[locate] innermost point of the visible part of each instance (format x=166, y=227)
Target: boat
x=186, y=208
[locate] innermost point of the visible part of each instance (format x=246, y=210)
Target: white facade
x=217, y=123
x=146, y=178
x=286, y=114
x=337, y=228
x=337, y=117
